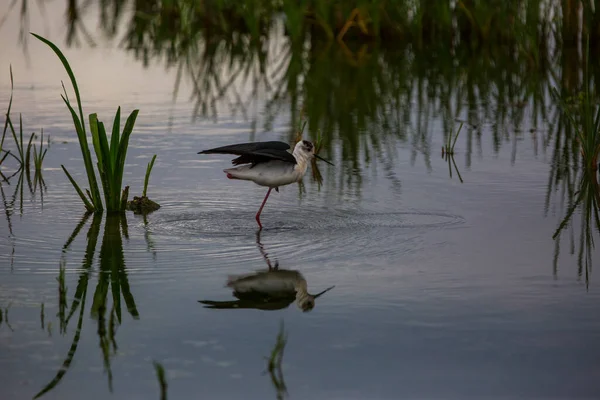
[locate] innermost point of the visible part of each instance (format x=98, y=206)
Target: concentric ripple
x=318, y=234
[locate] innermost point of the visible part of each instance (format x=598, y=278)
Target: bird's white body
x=275, y=283
x=269, y=282
x=268, y=164
x=274, y=173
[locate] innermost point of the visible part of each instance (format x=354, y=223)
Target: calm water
x=442, y=289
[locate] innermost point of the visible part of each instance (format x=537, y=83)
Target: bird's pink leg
x=261, y=208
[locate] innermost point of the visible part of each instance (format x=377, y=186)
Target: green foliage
x=584, y=117
x=274, y=366
x=110, y=158
x=162, y=380
x=147, y=178
x=449, y=147
x=22, y=155
x=112, y=278
x=38, y=158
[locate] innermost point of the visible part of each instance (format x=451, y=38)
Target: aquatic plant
x=162, y=380
x=467, y=22
x=274, y=363
x=147, y=177
x=143, y=205
x=483, y=59
x=38, y=157
x=112, y=276
x=574, y=167
x=585, y=197
x=449, y=148
x=584, y=116
x=22, y=156
x=4, y=317
x=110, y=157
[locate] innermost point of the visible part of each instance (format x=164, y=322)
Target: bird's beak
x=326, y=290
x=322, y=159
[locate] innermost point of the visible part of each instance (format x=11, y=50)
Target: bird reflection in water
x=270, y=289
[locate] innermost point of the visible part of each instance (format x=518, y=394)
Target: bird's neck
x=301, y=290
x=302, y=160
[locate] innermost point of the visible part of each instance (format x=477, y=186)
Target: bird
x=271, y=289
x=268, y=164
x=268, y=289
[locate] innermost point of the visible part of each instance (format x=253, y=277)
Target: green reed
x=112, y=278
x=449, y=147
x=274, y=366
x=38, y=157
x=4, y=317
x=421, y=21
x=18, y=139
x=584, y=116
x=276, y=357
x=147, y=177
x=22, y=155
x=110, y=156
x=162, y=380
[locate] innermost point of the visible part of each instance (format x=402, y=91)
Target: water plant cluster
x=110, y=156
x=21, y=154
x=577, y=169
x=472, y=22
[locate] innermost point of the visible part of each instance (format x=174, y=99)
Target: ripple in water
x=320, y=233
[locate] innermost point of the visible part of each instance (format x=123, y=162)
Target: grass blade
x=9, y=107
x=14, y=134
x=67, y=362
x=456, y=137
x=87, y=159
x=86, y=265
x=69, y=72
x=79, y=123
x=114, y=139
x=123, y=144
x=28, y=153
x=147, y=178
x=162, y=381
x=20, y=144
x=88, y=205
x=102, y=154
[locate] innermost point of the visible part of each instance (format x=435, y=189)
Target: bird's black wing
x=259, y=156
x=246, y=304
x=255, y=152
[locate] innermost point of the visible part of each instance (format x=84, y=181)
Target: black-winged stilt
x=270, y=289
x=268, y=164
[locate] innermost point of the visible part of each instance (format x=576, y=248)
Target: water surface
x=443, y=288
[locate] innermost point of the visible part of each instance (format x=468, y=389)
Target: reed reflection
x=112, y=275
x=274, y=366
x=270, y=289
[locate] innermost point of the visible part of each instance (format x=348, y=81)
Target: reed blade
x=114, y=139
x=103, y=155
x=28, y=153
x=68, y=69
x=88, y=205
x=9, y=107
x=87, y=159
x=147, y=178
x=123, y=144
x=79, y=123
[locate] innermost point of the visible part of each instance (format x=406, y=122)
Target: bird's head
x=306, y=149
x=307, y=303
